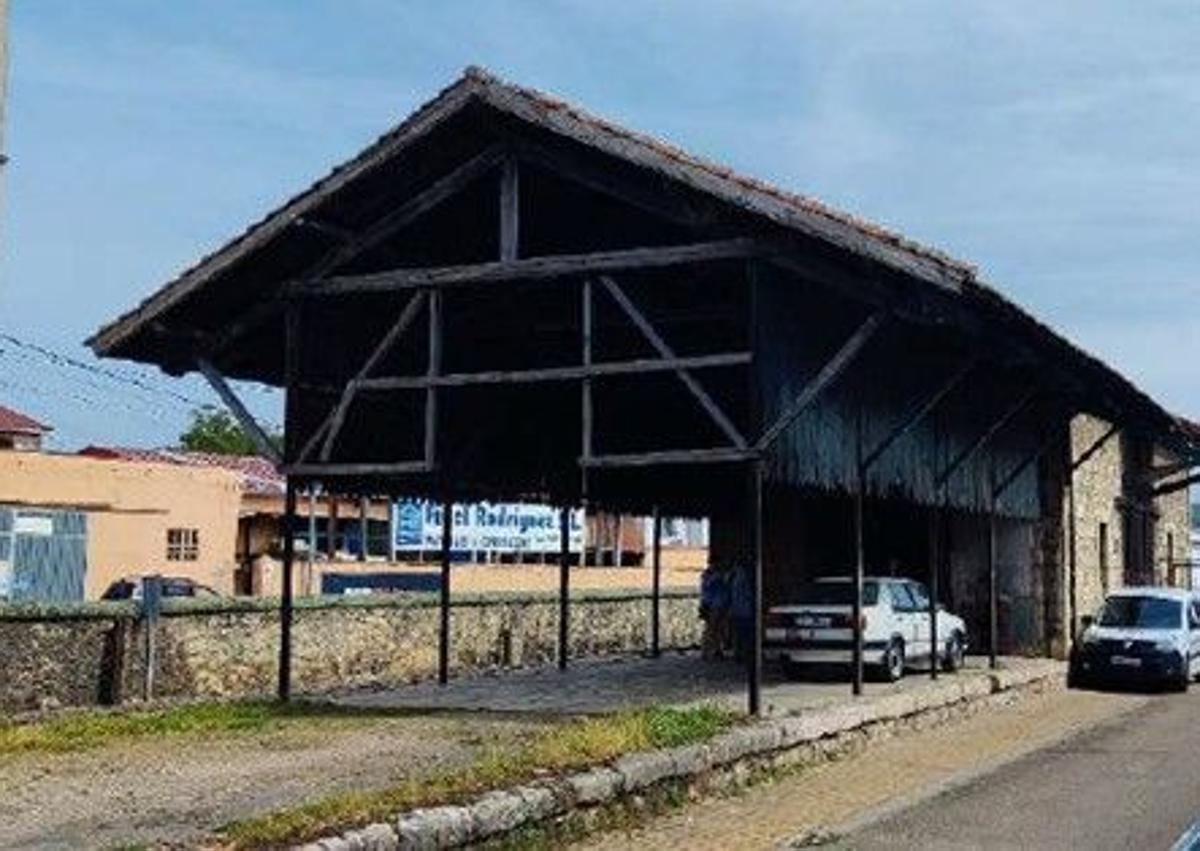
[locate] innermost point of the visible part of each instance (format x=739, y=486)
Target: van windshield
x=837, y=594
x=1141, y=612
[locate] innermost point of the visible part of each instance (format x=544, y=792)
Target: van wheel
x=893, y=661
x=954, y=654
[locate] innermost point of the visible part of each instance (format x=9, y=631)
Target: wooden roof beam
x=529, y=268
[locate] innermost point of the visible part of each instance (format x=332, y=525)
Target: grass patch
x=571, y=746
x=86, y=730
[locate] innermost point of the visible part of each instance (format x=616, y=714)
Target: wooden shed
x=505, y=297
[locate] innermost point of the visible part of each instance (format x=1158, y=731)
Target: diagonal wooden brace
x=706, y=401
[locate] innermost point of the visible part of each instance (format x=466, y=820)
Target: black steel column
x=655, y=584
x=856, y=614
x=444, y=597
x=364, y=529
x=285, y=599
x=935, y=564
x=755, y=541
x=993, y=618
x=564, y=586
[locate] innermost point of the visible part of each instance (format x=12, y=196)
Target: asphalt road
x=1133, y=783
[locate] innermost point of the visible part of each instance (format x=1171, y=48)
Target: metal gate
x=43, y=554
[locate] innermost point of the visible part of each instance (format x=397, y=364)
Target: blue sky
x=1056, y=145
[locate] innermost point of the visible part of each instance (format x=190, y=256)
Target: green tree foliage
x=217, y=431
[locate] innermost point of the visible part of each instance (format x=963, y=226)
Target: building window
x=183, y=544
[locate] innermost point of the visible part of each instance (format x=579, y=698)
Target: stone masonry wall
x=94, y=654
x=1097, y=483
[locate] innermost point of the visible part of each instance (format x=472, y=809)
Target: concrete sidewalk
x=609, y=685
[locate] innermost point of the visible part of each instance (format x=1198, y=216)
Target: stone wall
x=1097, y=484
x=92, y=654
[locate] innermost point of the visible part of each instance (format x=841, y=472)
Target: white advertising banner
x=502, y=527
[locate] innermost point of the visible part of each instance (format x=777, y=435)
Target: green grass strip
x=565, y=748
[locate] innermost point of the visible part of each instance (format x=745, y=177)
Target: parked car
x=130, y=588
x=1141, y=636
x=816, y=629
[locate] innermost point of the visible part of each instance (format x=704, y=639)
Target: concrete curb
x=502, y=811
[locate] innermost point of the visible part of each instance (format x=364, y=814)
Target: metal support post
x=993, y=611
x=656, y=585
x=564, y=586
x=754, y=662
x=364, y=528
x=856, y=592
x=444, y=596
x=935, y=564
x=285, y=599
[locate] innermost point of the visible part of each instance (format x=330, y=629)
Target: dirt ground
x=178, y=790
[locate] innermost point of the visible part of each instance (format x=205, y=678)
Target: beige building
x=76, y=524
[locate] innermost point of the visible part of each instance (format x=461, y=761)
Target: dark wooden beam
x=529, y=268
x=919, y=413
x=329, y=229
x=245, y=419
x=510, y=210
x=1095, y=447
x=365, y=468
x=830, y=372
x=432, y=371
x=587, y=422
x=670, y=456
x=642, y=366
x=706, y=401
x=1172, y=487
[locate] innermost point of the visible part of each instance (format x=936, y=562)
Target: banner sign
x=504, y=527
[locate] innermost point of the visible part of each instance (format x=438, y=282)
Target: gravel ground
x=178, y=790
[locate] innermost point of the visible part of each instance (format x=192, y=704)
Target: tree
x=217, y=431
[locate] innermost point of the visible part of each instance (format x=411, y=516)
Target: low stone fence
x=567, y=806
x=94, y=653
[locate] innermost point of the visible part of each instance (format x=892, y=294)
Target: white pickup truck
x=816, y=629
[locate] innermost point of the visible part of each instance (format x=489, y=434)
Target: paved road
x=1133, y=783
x=890, y=774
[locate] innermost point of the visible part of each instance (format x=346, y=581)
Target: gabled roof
x=259, y=476
x=800, y=212
x=14, y=422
